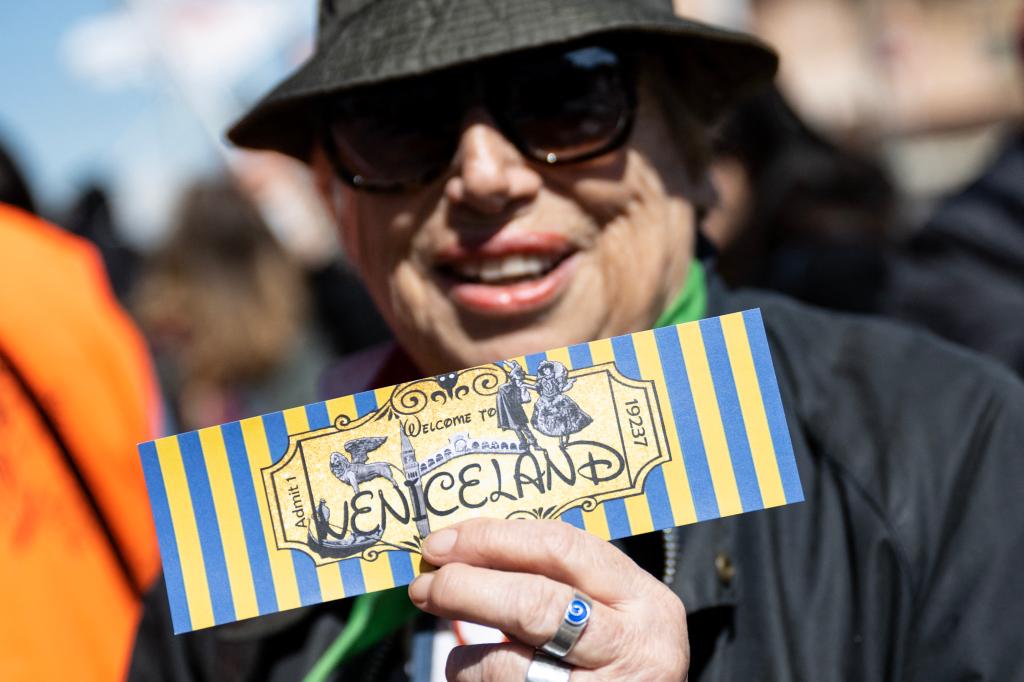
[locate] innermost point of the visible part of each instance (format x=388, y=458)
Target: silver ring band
x=577, y=615
x=545, y=669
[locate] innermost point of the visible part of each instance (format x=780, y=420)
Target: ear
x=333, y=196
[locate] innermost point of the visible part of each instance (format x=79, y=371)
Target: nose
x=490, y=173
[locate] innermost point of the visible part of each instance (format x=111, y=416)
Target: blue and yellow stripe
x=722, y=414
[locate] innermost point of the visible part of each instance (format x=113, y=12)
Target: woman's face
x=503, y=256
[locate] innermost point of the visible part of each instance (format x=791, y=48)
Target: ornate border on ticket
x=442, y=448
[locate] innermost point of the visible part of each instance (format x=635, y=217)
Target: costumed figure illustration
x=359, y=470
x=512, y=395
x=555, y=413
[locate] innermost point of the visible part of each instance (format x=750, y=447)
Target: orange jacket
x=76, y=394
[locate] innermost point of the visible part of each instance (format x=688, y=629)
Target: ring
x=545, y=669
x=577, y=615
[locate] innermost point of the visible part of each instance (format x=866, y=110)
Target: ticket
x=618, y=437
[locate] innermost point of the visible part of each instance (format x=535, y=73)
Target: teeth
x=510, y=267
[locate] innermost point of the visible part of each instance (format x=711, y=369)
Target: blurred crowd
x=883, y=174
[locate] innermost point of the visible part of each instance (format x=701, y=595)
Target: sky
x=89, y=97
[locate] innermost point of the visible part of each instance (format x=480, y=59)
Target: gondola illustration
x=328, y=543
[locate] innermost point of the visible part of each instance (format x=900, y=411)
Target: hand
x=519, y=576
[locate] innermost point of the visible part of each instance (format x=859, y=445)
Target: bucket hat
x=368, y=42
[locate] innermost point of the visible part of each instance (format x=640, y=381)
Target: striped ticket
x=618, y=437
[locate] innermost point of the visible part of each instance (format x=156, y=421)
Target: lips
x=509, y=274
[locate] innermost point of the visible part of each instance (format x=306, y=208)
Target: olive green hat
x=366, y=42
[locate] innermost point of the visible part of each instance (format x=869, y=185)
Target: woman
x=518, y=176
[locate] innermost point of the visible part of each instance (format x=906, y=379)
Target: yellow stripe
x=186, y=534
x=752, y=406
x=229, y=520
x=637, y=510
x=341, y=406
x=281, y=567
x=595, y=522
x=296, y=421
x=723, y=478
x=676, y=481
x=377, y=574
x=383, y=395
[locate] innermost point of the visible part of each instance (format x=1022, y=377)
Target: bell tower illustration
x=412, y=480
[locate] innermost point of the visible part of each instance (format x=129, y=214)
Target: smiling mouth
x=504, y=270
x=511, y=274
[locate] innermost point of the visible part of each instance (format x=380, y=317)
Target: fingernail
x=441, y=542
x=420, y=588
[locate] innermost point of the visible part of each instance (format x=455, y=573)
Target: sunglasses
x=556, y=107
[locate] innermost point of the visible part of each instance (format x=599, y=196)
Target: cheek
x=641, y=241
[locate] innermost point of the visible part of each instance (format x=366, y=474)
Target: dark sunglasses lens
x=392, y=137
x=568, y=107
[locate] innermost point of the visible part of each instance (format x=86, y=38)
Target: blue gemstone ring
x=577, y=615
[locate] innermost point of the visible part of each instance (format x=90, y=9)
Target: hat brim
x=379, y=44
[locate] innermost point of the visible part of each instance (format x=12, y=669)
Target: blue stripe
x=655, y=488
x=617, y=518
x=305, y=569
x=209, y=529
x=579, y=355
x=165, y=536
x=317, y=416
x=366, y=402
x=773, y=406
x=401, y=567
x=614, y=510
x=400, y=562
x=533, y=362
x=573, y=517
x=732, y=414
x=625, y=357
x=352, y=577
x=687, y=426
x=245, y=494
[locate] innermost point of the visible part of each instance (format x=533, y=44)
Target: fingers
x=496, y=663
x=527, y=607
x=552, y=548
x=488, y=663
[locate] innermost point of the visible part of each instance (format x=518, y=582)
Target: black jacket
x=904, y=562
x=962, y=276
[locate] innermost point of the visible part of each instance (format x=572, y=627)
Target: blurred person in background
x=91, y=217
x=77, y=546
x=341, y=309
x=226, y=311
x=14, y=189
x=962, y=275
x=797, y=213
x=899, y=103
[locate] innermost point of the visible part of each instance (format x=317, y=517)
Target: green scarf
x=692, y=302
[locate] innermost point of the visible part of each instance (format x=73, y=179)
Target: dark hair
x=818, y=215
x=14, y=189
